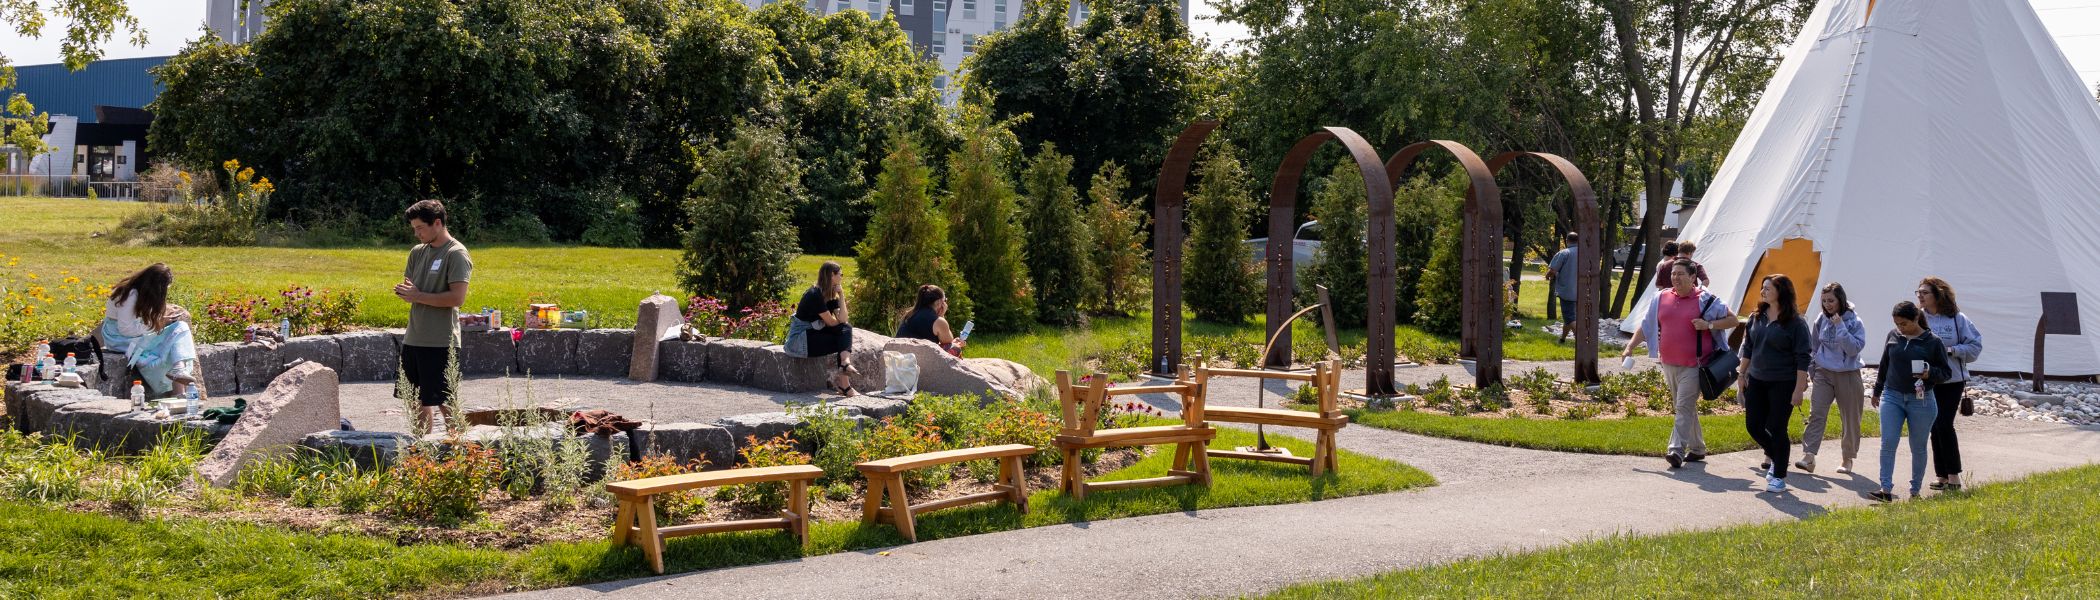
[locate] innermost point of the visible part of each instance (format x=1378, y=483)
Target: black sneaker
x=1883, y=496
x=1695, y=457
x=1676, y=461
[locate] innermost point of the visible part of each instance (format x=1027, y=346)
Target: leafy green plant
x=775, y=452
x=444, y=489
x=837, y=441
x=905, y=436
x=1015, y=423
x=673, y=507
x=1057, y=241
x=1493, y=398
x=1440, y=394
x=1583, y=412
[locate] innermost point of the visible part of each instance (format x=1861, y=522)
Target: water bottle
x=72, y=364
x=49, y=367
x=284, y=329
x=195, y=398
x=43, y=347
x=138, y=395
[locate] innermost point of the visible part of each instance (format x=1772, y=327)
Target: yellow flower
x=32, y=277
x=72, y=279
x=185, y=177
x=232, y=164
x=245, y=175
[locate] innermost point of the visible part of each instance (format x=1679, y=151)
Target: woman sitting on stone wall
x=154, y=335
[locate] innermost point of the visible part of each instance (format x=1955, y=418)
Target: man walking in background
x=434, y=286
x=1560, y=273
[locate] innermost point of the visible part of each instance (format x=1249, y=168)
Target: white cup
x=1917, y=366
x=1626, y=364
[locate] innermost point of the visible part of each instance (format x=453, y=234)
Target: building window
x=940, y=6
x=905, y=6
x=999, y=15
x=969, y=9
x=940, y=82
x=940, y=43
x=969, y=43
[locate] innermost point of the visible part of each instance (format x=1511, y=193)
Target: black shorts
x=1567, y=312
x=424, y=367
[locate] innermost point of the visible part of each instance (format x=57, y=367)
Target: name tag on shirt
x=436, y=264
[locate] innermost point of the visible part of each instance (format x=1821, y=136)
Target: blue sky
x=169, y=23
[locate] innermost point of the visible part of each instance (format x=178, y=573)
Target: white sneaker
x=1807, y=464
x=1775, y=485
x=1847, y=469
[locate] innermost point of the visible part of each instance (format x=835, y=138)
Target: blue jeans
x=1897, y=408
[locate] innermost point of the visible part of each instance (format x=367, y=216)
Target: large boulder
x=258, y=364
x=112, y=373
x=604, y=352
x=220, y=364
x=487, y=353
x=302, y=401
x=680, y=360
x=40, y=401
x=684, y=442
x=764, y=426
x=545, y=352
x=1012, y=375
x=942, y=373
x=762, y=365
x=370, y=356
x=99, y=424
x=369, y=449
x=607, y=453
x=872, y=407
x=867, y=357
x=320, y=349
x=655, y=321
x=15, y=393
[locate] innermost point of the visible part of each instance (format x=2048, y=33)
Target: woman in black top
x=823, y=306
x=1774, y=373
x=928, y=320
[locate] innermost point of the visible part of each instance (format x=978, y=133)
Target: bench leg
x=1334, y=452
x=1015, y=477
x=1181, y=457
x=900, y=509
x=871, y=502
x=1073, y=485
x=1201, y=456
x=652, y=542
x=623, y=523
x=1319, y=457
x=798, y=507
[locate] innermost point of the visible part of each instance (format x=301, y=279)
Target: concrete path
x=1490, y=500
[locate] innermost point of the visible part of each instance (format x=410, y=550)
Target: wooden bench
x=1083, y=407
x=1326, y=380
x=637, y=516
x=886, y=477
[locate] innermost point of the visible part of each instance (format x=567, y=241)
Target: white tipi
x=1907, y=138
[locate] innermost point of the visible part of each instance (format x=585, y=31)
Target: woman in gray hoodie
x=1964, y=345
x=1836, y=337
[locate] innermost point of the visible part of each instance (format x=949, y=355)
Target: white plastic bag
x=900, y=373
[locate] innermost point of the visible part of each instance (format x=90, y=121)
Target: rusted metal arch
x=1587, y=254
x=1481, y=337
x=1168, y=198
x=1283, y=201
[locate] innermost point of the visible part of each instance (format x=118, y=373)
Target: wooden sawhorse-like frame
x=1326, y=380
x=1083, y=407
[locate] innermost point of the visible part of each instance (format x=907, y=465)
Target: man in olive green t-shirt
x=434, y=286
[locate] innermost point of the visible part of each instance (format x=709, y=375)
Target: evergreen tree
x=1418, y=207
x=738, y=241
x=1222, y=282
x=1119, y=255
x=1341, y=263
x=907, y=244
x=1058, y=243
x=1440, y=300
x=981, y=211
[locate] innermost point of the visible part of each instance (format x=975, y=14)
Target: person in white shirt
x=154, y=335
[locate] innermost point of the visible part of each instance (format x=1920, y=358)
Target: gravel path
x=1490, y=500
x=371, y=406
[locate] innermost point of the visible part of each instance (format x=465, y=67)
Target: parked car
x=1305, y=243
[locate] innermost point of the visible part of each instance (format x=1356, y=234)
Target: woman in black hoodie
x=1774, y=373
x=1903, y=393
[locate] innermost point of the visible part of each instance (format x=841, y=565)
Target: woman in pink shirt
x=1684, y=325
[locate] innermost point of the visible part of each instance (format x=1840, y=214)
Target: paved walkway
x=1490, y=500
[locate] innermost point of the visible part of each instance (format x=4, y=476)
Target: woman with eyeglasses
x=1964, y=344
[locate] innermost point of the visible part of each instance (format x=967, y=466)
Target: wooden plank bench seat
x=886, y=478
x=637, y=513
x=1326, y=379
x=1082, y=416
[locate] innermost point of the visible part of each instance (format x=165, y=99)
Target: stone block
x=41, y=401
x=221, y=368
x=684, y=442
x=942, y=373
x=487, y=353
x=679, y=360
x=15, y=393
x=258, y=365
x=1012, y=375
x=763, y=365
x=97, y=424
x=867, y=357
x=370, y=356
x=764, y=426
x=872, y=407
x=607, y=453
x=604, y=352
x=548, y=352
x=324, y=350
x=370, y=449
x=112, y=374
x=655, y=321
x=302, y=401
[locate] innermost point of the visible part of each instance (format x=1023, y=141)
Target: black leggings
x=1946, y=448
x=1767, y=406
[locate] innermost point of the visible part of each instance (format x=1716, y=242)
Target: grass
x=1644, y=435
x=44, y=549
x=2037, y=537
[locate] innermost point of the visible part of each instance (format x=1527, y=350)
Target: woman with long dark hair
x=823, y=311
x=1912, y=365
x=1964, y=343
x=928, y=320
x=1774, y=373
x=1836, y=339
x=154, y=335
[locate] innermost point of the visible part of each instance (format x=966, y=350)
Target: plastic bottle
x=49, y=367
x=43, y=347
x=195, y=398
x=138, y=395
x=284, y=329
x=72, y=364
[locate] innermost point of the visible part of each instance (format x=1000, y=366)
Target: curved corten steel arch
x=1481, y=337
x=1587, y=256
x=1283, y=201
x=1167, y=201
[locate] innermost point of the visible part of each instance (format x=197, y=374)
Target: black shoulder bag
x=1717, y=371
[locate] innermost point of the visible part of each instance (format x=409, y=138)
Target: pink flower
x=516, y=334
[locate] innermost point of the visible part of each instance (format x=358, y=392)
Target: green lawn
x=50, y=552
x=2038, y=537
x=1644, y=435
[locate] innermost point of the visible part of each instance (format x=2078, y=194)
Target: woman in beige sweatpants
x=1837, y=336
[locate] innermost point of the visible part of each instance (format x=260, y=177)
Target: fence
x=67, y=186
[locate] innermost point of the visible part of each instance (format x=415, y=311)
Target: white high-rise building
x=236, y=21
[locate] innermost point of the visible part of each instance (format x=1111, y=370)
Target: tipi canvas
x=1906, y=138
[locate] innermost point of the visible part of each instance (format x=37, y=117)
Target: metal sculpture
x=1481, y=336
x=1283, y=201
x=1587, y=255
x=1167, y=201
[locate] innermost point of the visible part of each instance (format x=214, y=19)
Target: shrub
x=1057, y=242
x=837, y=439
x=672, y=508
x=231, y=218
x=619, y=226
x=1014, y=423
x=1222, y=282
x=955, y=417
x=1440, y=299
x=712, y=317
x=1341, y=262
x=1118, y=227
x=905, y=436
x=1583, y=412
x=739, y=242
x=447, y=489
x=36, y=307
x=1439, y=393
x=1419, y=207
x=1493, y=397
x=907, y=244
x=315, y=313
x=1127, y=359
x=981, y=211
x=775, y=452
x=518, y=229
